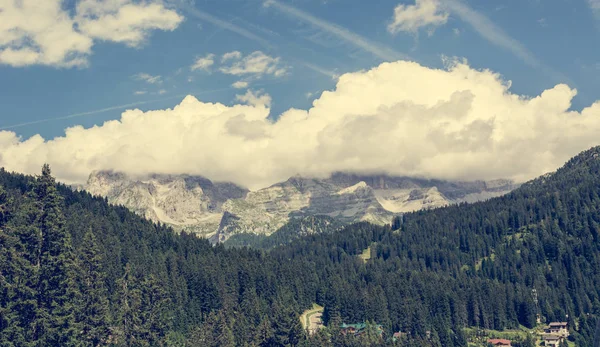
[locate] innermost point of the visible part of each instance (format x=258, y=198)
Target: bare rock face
x=184, y=202
x=407, y=194
x=219, y=210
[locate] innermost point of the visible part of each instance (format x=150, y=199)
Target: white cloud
x=204, y=63
x=235, y=55
x=542, y=22
x=595, y=6
x=124, y=20
x=240, y=85
x=399, y=118
x=40, y=32
x=34, y=32
x=140, y=92
x=142, y=76
x=255, y=98
x=382, y=52
x=411, y=18
x=257, y=64
x=162, y=91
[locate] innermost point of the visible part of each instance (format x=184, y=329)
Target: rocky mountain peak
x=221, y=209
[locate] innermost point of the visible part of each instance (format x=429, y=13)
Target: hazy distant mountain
x=218, y=210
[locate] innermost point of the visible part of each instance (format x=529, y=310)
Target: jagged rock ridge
x=219, y=210
x=190, y=202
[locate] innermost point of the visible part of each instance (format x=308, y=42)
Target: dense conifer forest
x=76, y=271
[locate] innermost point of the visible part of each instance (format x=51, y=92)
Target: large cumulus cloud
x=398, y=118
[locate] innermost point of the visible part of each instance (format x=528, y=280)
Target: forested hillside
x=77, y=271
x=293, y=230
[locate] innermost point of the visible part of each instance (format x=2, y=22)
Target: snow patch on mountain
x=353, y=189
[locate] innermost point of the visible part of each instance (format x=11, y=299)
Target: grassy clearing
x=305, y=316
x=479, y=337
x=366, y=254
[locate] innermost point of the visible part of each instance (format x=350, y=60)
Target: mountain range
x=218, y=210
x=453, y=276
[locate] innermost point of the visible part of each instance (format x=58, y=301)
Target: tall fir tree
x=24, y=239
x=130, y=302
x=7, y=275
x=57, y=291
x=94, y=307
x=154, y=311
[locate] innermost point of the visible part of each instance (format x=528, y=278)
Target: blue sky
x=562, y=36
x=447, y=89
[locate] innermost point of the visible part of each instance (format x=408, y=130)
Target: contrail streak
x=111, y=108
x=382, y=52
x=332, y=74
x=496, y=36
x=224, y=24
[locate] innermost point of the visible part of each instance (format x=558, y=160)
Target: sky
x=256, y=91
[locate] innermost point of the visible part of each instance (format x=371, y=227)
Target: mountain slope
x=439, y=272
x=219, y=210
x=184, y=202
x=293, y=230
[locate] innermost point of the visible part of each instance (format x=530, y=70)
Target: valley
x=435, y=277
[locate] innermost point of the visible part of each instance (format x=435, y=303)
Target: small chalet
x=499, y=342
x=398, y=335
x=558, y=328
x=551, y=340
x=358, y=329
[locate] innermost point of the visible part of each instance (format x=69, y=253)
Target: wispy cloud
x=126, y=106
x=382, y=52
x=107, y=109
x=142, y=76
x=231, y=55
x=329, y=73
x=595, y=6
x=256, y=64
x=224, y=24
x=255, y=98
x=203, y=63
x=424, y=13
x=490, y=31
x=240, y=85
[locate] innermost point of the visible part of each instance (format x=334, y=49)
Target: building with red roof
x=499, y=342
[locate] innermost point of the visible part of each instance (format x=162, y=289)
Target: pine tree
x=9, y=332
x=264, y=332
x=93, y=312
x=215, y=331
x=222, y=333
x=130, y=302
x=57, y=292
x=22, y=239
x=287, y=326
x=154, y=311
